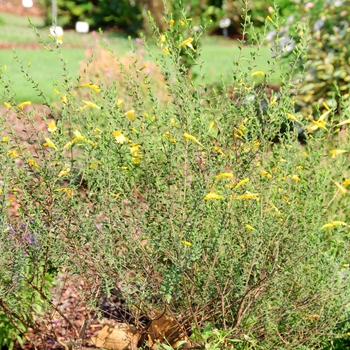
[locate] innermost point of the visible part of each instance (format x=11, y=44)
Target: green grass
x=45, y=68
x=217, y=55
x=16, y=29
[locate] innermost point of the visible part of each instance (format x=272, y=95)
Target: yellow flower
x=242, y=182
x=166, y=51
x=212, y=195
x=51, y=126
x=130, y=114
x=168, y=135
x=13, y=154
x=325, y=105
x=224, y=176
x=192, y=138
x=239, y=132
x=23, y=104
x=78, y=136
x=249, y=227
x=33, y=163
x=135, y=152
x=188, y=43
x=334, y=224
x=295, y=178
x=49, y=143
x=182, y=23
x=0, y=191
x=171, y=22
x=292, y=117
x=64, y=172
x=90, y=104
x=97, y=132
x=335, y=152
x=277, y=212
x=59, y=40
x=318, y=124
x=64, y=99
x=342, y=123
x=68, y=191
x=7, y=105
x=68, y=145
x=5, y=139
x=265, y=173
x=273, y=101
x=286, y=200
x=162, y=38
x=305, y=154
x=256, y=143
x=309, y=318
x=299, y=167
x=119, y=137
x=95, y=164
x=135, y=149
x=136, y=160
x=115, y=195
x=259, y=72
x=56, y=91
x=188, y=244
x=91, y=86
x=120, y=102
x=247, y=195
x=218, y=149
x=346, y=182
x=342, y=189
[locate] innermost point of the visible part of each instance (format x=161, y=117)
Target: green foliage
x=19, y=307
x=105, y=14
x=327, y=60
x=129, y=15
x=180, y=201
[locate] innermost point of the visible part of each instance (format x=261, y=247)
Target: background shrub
x=327, y=59
x=131, y=16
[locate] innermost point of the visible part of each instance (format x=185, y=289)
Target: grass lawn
x=45, y=68
x=218, y=56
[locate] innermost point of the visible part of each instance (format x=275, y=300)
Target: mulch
x=71, y=322
x=70, y=326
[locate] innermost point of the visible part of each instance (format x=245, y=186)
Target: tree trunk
x=156, y=8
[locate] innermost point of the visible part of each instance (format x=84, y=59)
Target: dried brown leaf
x=165, y=328
x=120, y=336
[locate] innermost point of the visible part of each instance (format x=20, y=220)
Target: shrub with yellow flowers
x=184, y=208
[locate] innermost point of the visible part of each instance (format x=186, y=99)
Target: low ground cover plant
x=184, y=207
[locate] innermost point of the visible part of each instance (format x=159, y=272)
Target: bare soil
x=15, y=7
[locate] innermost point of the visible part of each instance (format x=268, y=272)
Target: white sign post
x=55, y=30
x=82, y=27
x=27, y=3
x=224, y=24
